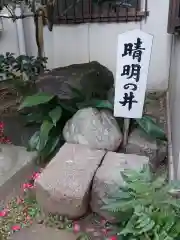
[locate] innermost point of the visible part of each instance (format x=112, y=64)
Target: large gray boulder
x=108, y=178
x=64, y=185
x=95, y=128
x=89, y=77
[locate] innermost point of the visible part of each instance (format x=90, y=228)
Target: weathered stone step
x=16, y=164
x=40, y=232
x=64, y=185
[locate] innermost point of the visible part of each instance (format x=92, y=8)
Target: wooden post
x=126, y=131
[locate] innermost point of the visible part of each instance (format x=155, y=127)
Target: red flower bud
x=4, y=212
x=112, y=238
x=16, y=228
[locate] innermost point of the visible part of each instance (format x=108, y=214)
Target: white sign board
x=133, y=57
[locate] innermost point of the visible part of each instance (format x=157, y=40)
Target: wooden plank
x=133, y=58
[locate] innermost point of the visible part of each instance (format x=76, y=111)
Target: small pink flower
x=1, y=126
x=4, y=212
x=16, y=228
x=76, y=227
x=27, y=186
x=35, y=175
x=112, y=238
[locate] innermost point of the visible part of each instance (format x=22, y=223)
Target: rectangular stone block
x=63, y=187
x=108, y=178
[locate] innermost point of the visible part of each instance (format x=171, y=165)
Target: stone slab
x=40, y=232
x=63, y=187
x=108, y=178
x=16, y=164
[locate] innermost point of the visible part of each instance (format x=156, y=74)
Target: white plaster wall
x=8, y=37
x=67, y=45
x=86, y=42
x=103, y=42
x=160, y=58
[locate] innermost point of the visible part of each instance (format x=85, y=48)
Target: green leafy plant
x=50, y=115
x=146, y=123
x=151, y=128
x=150, y=211
x=19, y=74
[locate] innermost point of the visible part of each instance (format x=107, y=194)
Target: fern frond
x=151, y=210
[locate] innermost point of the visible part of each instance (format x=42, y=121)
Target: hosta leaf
x=55, y=114
x=34, y=117
x=44, y=133
x=50, y=146
x=68, y=107
x=149, y=126
x=33, y=142
x=96, y=104
x=36, y=99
